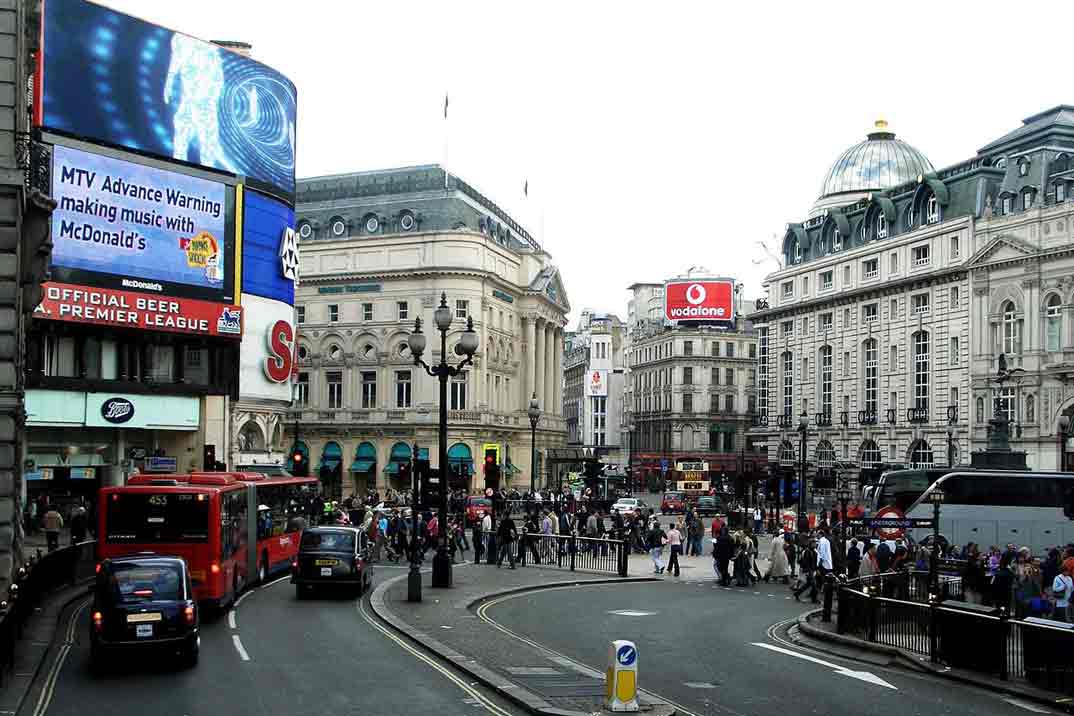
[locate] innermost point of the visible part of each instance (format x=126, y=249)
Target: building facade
x=594, y=382
x=690, y=394
x=378, y=251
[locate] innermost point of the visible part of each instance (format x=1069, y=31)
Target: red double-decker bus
x=233, y=528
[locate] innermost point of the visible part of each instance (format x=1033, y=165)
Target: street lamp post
x=803, y=520
x=466, y=347
x=1061, y=436
x=952, y=418
x=843, y=495
x=936, y=497
x=413, y=584
x=534, y=414
x=630, y=457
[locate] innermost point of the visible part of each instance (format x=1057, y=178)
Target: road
x=272, y=655
x=698, y=648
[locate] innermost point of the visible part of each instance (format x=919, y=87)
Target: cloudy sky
x=654, y=136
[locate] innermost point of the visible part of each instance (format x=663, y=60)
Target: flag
x=526, y=189
x=445, y=105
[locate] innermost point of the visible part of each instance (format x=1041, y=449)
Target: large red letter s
x=279, y=360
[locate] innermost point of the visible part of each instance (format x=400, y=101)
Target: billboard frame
x=721, y=322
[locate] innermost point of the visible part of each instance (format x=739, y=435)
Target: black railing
x=578, y=554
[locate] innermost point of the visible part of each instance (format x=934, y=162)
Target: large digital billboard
x=129, y=226
x=112, y=78
x=269, y=248
x=700, y=300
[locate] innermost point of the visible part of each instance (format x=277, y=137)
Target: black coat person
x=722, y=552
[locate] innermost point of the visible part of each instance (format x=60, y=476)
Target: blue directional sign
x=664, y=465
x=626, y=655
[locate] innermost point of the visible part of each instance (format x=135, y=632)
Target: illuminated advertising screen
x=130, y=226
x=700, y=301
x=268, y=266
x=112, y=78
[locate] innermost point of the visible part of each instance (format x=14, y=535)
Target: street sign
x=889, y=513
x=161, y=464
x=626, y=655
x=664, y=465
x=892, y=527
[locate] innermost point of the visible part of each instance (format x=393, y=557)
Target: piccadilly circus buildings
x=379, y=249
x=882, y=335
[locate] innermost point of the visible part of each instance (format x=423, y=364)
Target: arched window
x=921, y=370
x=786, y=453
x=980, y=410
x=920, y=455
x=1012, y=343
x=881, y=225
x=1053, y=323
x=910, y=217
x=825, y=454
x=251, y=438
x=932, y=210
x=788, y=383
x=797, y=251
x=870, y=454
x=837, y=241
x=872, y=373
x=1031, y=409
x=826, y=380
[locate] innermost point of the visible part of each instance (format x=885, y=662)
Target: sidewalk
x=37, y=541
x=446, y=624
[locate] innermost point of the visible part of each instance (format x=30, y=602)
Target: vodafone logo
x=695, y=294
x=699, y=300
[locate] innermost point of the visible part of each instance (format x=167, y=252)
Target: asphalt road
x=696, y=647
x=316, y=656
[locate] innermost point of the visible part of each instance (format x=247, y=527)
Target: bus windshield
x=141, y=517
x=901, y=488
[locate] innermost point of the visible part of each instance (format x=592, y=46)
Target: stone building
x=378, y=249
x=594, y=382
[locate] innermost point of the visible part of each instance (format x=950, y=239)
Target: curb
x=1055, y=700
x=486, y=676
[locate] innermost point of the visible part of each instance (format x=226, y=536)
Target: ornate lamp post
x=534, y=414
x=467, y=346
x=803, y=519
x=936, y=497
x=1061, y=437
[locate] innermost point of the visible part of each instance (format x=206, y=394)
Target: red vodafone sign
x=707, y=300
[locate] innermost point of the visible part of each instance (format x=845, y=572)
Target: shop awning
x=511, y=469
x=363, y=465
x=400, y=453
x=332, y=456
x=330, y=463
x=392, y=468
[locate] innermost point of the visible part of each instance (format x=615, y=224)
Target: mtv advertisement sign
x=111, y=78
x=129, y=226
x=701, y=301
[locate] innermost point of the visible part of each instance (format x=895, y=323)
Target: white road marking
x=698, y=685
x=49, y=689
x=231, y=619
x=1035, y=708
x=238, y=647
x=632, y=613
x=842, y=670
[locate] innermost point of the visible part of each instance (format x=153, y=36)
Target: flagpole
x=447, y=135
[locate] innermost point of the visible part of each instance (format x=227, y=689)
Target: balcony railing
x=917, y=415
x=867, y=417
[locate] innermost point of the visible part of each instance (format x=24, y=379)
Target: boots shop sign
x=131, y=309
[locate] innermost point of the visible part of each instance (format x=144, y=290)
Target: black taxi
x=332, y=556
x=144, y=603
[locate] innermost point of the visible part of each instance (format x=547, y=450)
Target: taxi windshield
x=331, y=541
x=133, y=583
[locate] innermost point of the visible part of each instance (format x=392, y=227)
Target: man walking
x=657, y=539
x=807, y=565
x=53, y=521
x=675, y=542
x=505, y=537
x=757, y=516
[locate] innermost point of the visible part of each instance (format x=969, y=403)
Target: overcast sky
x=654, y=136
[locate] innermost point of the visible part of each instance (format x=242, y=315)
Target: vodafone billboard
x=703, y=300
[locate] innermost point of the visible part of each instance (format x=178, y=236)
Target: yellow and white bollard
x=621, y=689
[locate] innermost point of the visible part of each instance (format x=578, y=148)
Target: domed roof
x=880, y=162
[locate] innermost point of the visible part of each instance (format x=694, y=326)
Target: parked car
x=391, y=506
x=628, y=506
x=476, y=509
x=672, y=502
x=332, y=557
x=707, y=506
x=144, y=603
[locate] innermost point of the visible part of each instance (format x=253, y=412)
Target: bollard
x=621, y=687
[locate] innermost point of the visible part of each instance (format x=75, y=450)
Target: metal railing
x=578, y=554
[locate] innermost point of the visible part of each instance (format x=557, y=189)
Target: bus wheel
x=262, y=568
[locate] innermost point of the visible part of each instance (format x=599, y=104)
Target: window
x=334, y=380
x=805, y=285
x=402, y=388
x=894, y=261
x=688, y=348
x=1060, y=193
x=300, y=314
x=952, y=351
x=893, y=359
x=1027, y=200
x=1006, y=204
x=751, y=402
x=869, y=312
x=753, y=350
x=462, y=309
x=870, y=453
x=367, y=311
x=1053, y=316
x=921, y=255
x=458, y=392
x=797, y=252
x=846, y=276
x=403, y=310
x=870, y=268
x=729, y=403
x=920, y=455
x=715, y=349
x=302, y=395
x=1005, y=404
x=920, y=303
x=1011, y=338
x=1023, y=168
x=730, y=350
x=881, y=226
x=846, y=363
x=837, y=241
x=932, y=210
x=921, y=370
x=953, y=300
x=954, y=247
x=788, y=289
x=787, y=329
x=825, y=323
x=893, y=309
x=600, y=419
x=805, y=326
x=827, y=280
x=952, y=399
x=333, y=312
x=826, y=380
x=910, y=217
x=872, y=366
x=729, y=376
x=687, y=403
x=788, y=383
x=846, y=318
x=369, y=389
x=687, y=376
x=715, y=376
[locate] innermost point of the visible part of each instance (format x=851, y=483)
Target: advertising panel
x=112, y=78
x=266, y=357
x=124, y=225
x=701, y=301
x=128, y=309
x=269, y=248
x=158, y=412
x=596, y=384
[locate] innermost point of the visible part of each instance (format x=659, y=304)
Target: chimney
x=243, y=48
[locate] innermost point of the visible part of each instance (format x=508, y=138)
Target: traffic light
x=36, y=249
x=429, y=485
x=492, y=469
x=299, y=465
x=208, y=458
